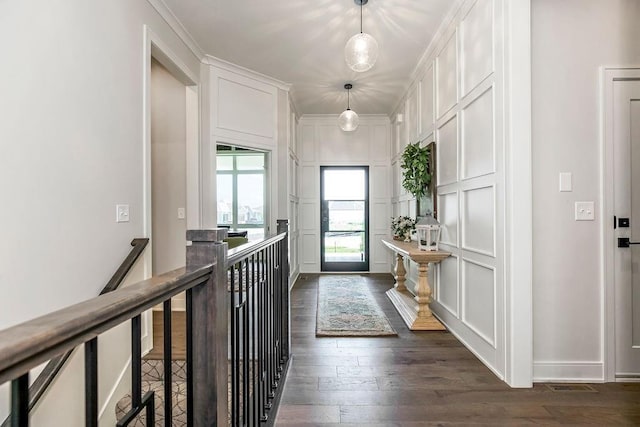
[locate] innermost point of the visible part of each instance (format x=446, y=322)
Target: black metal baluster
x=189, y=361
x=91, y=383
x=168, y=364
x=270, y=325
x=136, y=362
x=234, y=374
x=20, y=401
x=245, y=350
x=261, y=344
x=254, y=341
x=277, y=299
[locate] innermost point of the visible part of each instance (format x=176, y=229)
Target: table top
x=411, y=250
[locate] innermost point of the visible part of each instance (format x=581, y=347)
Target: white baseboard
x=107, y=414
x=568, y=371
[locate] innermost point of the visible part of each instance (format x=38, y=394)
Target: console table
x=414, y=311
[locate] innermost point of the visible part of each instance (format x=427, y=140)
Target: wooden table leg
x=401, y=274
x=425, y=318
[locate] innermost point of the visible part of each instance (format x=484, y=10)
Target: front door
x=344, y=218
x=626, y=131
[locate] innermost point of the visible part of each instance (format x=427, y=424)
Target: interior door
x=626, y=100
x=344, y=218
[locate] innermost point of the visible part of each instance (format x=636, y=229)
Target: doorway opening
x=344, y=218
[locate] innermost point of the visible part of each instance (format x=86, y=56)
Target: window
x=241, y=190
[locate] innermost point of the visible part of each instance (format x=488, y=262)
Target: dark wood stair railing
x=260, y=332
x=54, y=366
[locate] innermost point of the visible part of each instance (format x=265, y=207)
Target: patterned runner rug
x=347, y=308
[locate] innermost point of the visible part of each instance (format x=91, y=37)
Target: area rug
x=347, y=308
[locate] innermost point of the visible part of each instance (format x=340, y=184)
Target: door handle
x=623, y=242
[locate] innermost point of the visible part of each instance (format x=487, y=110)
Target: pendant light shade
x=348, y=120
x=361, y=51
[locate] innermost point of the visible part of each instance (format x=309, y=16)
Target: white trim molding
x=245, y=72
x=175, y=24
x=568, y=371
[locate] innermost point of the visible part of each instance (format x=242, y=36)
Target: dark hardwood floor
x=420, y=379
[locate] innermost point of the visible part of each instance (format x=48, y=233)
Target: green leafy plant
x=415, y=161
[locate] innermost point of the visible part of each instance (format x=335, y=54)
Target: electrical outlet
x=122, y=213
x=585, y=211
x=181, y=213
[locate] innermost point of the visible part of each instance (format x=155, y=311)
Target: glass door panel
x=344, y=218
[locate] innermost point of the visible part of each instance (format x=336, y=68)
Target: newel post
x=283, y=227
x=209, y=328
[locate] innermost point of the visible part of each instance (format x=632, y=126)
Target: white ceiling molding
x=228, y=66
x=177, y=27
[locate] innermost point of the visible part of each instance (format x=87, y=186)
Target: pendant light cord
x=360, y=17
x=348, y=99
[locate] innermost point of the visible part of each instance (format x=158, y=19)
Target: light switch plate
x=585, y=211
x=566, y=181
x=181, y=213
x=122, y=213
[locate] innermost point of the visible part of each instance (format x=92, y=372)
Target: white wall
x=71, y=148
x=458, y=98
x=168, y=169
x=322, y=143
x=246, y=109
x=571, y=40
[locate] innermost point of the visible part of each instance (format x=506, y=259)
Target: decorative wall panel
x=479, y=299
x=449, y=284
x=447, y=85
x=447, y=152
x=478, y=152
x=477, y=45
x=448, y=217
x=478, y=230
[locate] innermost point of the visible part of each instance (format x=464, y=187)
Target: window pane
x=224, y=163
x=251, y=199
x=344, y=184
x=252, y=162
x=344, y=247
x=345, y=216
x=225, y=199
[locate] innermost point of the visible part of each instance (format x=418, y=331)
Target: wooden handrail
x=27, y=345
x=242, y=252
x=54, y=366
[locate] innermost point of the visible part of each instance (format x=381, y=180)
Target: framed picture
x=428, y=204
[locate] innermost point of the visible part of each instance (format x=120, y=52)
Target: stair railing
x=205, y=283
x=55, y=365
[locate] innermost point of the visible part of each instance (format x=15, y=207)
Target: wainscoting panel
x=310, y=182
x=379, y=182
x=243, y=108
x=448, y=217
x=479, y=299
x=478, y=144
x=478, y=230
x=307, y=147
x=309, y=251
x=379, y=143
x=427, y=115
x=412, y=113
x=477, y=45
x=447, y=84
x=449, y=284
x=309, y=212
x=447, y=152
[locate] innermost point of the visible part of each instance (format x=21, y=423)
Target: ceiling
x=301, y=42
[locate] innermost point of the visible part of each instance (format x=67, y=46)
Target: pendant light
x=361, y=50
x=348, y=120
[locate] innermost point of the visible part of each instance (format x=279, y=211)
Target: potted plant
x=402, y=227
x=415, y=162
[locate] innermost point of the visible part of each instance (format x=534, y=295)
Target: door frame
x=367, y=230
x=607, y=211
x=156, y=48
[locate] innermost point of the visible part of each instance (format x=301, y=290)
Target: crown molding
x=246, y=72
x=173, y=22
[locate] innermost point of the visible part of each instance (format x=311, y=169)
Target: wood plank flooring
x=420, y=379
